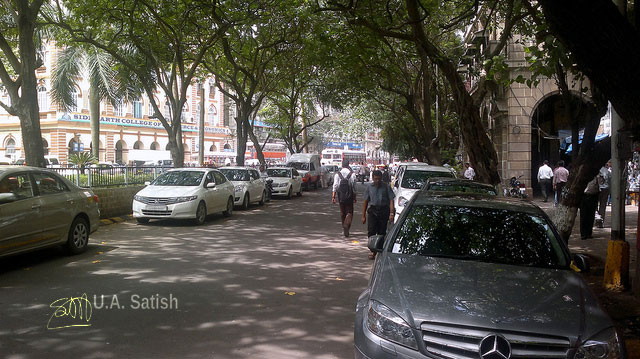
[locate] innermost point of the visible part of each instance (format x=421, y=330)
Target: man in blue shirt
x=378, y=204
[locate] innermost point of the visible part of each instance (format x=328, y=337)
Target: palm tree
x=105, y=83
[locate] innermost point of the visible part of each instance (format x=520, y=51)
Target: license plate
x=157, y=208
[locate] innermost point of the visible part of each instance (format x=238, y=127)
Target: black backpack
x=345, y=190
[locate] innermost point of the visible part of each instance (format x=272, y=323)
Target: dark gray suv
x=463, y=276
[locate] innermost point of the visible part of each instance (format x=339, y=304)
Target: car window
x=295, y=172
x=456, y=187
x=235, y=174
x=220, y=178
x=413, y=179
x=15, y=187
x=210, y=178
x=279, y=172
x=312, y=167
x=179, y=178
x=299, y=165
x=49, y=184
x=255, y=175
x=480, y=234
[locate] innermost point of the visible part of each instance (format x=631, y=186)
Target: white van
x=308, y=165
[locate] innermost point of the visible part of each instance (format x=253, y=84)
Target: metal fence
x=110, y=176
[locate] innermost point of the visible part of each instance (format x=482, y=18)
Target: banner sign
x=340, y=145
x=140, y=122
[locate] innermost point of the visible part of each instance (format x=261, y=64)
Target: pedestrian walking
x=560, y=178
x=604, y=183
x=588, y=206
x=544, y=179
x=362, y=171
x=469, y=172
x=386, y=177
x=345, y=195
x=378, y=207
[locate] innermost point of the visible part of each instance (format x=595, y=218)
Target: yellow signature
x=77, y=309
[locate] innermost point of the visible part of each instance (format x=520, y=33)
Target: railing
x=109, y=176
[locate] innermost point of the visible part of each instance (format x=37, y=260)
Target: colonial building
x=127, y=133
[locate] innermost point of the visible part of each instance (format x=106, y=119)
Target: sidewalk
x=623, y=308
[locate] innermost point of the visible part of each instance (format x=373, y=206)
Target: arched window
x=121, y=147
x=227, y=146
x=118, y=109
x=76, y=145
x=10, y=146
x=213, y=148
x=45, y=146
x=138, y=145
x=137, y=108
x=211, y=115
x=212, y=88
x=43, y=99
x=186, y=147
x=155, y=146
x=74, y=97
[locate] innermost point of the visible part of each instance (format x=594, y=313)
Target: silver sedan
x=38, y=209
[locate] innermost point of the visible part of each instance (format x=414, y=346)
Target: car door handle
x=35, y=206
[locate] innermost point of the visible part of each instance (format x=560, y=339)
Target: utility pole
x=616, y=270
x=201, y=129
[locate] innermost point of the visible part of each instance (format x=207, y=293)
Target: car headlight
x=386, y=324
x=402, y=201
x=283, y=184
x=185, y=199
x=238, y=188
x=139, y=198
x=605, y=344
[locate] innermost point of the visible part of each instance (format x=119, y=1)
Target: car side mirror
x=147, y=183
x=210, y=185
x=581, y=262
x=376, y=243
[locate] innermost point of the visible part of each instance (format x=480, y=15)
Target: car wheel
x=229, y=210
x=142, y=220
x=245, y=202
x=299, y=194
x=264, y=196
x=290, y=193
x=78, y=236
x=201, y=213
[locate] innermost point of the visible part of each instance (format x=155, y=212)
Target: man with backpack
x=343, y=191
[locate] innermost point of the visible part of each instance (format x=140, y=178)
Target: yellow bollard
x=616, y=269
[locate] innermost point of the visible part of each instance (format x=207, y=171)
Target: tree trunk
x=27, y=104
x=241, y=121
x=572, y=22
x=94, y=113
x=256, y=142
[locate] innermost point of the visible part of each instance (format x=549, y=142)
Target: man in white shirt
x=545, y=174
x=469, y=173
x=346, y=204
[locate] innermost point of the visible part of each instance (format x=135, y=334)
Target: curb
x=112, y=220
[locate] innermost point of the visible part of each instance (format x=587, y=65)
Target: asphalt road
x=275, y=281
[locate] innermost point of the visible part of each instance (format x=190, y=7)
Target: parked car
x=185, y=193
x=464, y=276
x=249, y=186
x=49, y=161
x=332, y=169
x=286, y=181
x=308, y=165
x=449, y=184
x=410, y=179
x=39, y=208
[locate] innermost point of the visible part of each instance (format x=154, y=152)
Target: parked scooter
x=269, y=188
x=517, y=189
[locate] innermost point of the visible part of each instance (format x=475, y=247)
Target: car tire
x=229, y=210
x=78, y=237
x=264, y=196
x=245, y=202
x=201, y=214
x=142, y=220
x=299, y=194
x=290, y=193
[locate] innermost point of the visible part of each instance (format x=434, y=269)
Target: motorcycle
x=517, y=189
x=269, y=187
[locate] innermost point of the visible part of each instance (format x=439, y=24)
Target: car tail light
x=95, y=198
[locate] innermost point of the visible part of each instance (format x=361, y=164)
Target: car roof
x=201, y=169
x=14, y=169
x=236, y=168
x=458, y=181
x=280, y=168
x=457, y=199
x=424, y=167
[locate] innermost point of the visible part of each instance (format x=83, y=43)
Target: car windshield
x=413, y=179
x=235, y=174
x=481, y=234
x=279, y=172
x=299, y=165
x=179, y=178
x=465, y=188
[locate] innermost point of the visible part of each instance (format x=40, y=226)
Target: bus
x=334, y=156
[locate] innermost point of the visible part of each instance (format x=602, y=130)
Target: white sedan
x=185, y=193
x=286, y=181
x=249, y=186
